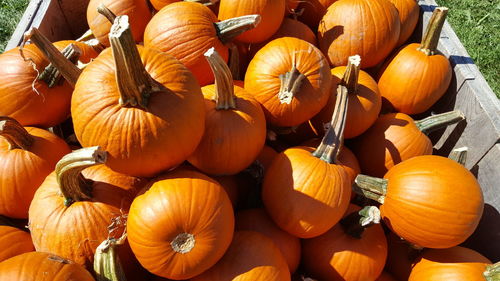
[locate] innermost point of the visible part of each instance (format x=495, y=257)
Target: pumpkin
x=107, y=264
x=272, y=13
x=159, y=4
x=355, y=249
x=365, y=27
x=251, y=257
x=417, y=75
x=14, y=242
x=396, y=137
x=385, y=277
x=235, y=126
x=27, y=156
x=258, y=220
x=409, y=12
x=153, y=97
x=401, y=257
x=303, y=182
x=266, y=157
x=365, y=103
x=36, y=266
x=88, y=52
x=71, y=215
x=420, y=198
x=137, y=10
x=290, y=78
x=186, y=30
x=170, y=234
x=457, y=263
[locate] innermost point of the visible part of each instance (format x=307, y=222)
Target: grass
x=476, y=22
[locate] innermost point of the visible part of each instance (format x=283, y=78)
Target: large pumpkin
x=182, y=225
x=408, y=11
x=420, y=199
x=290, y=78
x=153, y=110
x=27, y=156
x=364, y=27
x=14, y=242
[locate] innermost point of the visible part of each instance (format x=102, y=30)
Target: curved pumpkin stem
x=371, y=187
x=290, y=85
x=15, y=134
x=438, y=121
x=459, y=155
x=355, y=223
x=107, y=265
x=433, y=31
x=74, y=186
x=351, y=75
x=63, y=63
x=224, y=86
x=228, y=29
x=492, y=272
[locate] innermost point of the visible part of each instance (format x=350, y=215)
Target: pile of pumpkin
x=187, y=172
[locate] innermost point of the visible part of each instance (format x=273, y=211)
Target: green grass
x=10, y=13
x=477, y=24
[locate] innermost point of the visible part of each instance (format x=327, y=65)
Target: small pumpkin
x=14, y=242
x=408, y=11
x=251, y=257
x=420, y=198
x=418, y=75
x=290, y=78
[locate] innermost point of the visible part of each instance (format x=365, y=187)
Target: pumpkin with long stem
x=290, y=78
x=396, y=137
x=418, y=75
x=251, y=256
x=235, y=126
x=36, y=266
x=14, y=242
x=303, y=182
x=364, y=102
x=408, y=11
x=430, y=201
x=187, y=30
x=182, y=225
x=27, y=156
x=138, y=104
x=358, y=241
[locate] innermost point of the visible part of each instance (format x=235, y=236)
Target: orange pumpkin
x=352, y=27
x=159, y=4
x=251, y=257
x=341, y=255
x=417, y=75
x=27, y=156
x=88, y=52
x=272, y=13
x=170, y=234
x=35, y=266
x=14, y=242
x=258, y=220
x=457, y=263
x=290, y=78
x=156, y=102
x=420, y=199
x=409, y=12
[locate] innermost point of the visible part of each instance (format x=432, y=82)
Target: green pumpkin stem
x=459, y=155
x=15, y=134
x=439, y=121
x=60, y=63
x=224, y=87
x=371, y=187
x=229, y=29
x=290, y=85
x=430, y=39
x=74, y=186
x=355, y=223
x=492, y=272
x=107, y=265
x=134, y=82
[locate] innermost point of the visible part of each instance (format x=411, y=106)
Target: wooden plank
x=75, y=13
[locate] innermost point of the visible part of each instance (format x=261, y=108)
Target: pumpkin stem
x=51, y=74
x=371, y=187
x=492, y=272
x=224, y=87
x=351, y=74
x=107, y=265
x=89, y=39
x=134, y=82
x=65, y=65
x=228, y=29
x=431, y=37
x=234, y=61
x=105, y=11
x=459, y=155
x=355, y=223
x=183, y=243
x=290, y=85
x=438, y=121
x=15, y=134
x=74, y=186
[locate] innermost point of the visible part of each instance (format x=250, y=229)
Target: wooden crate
x=469, y=92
